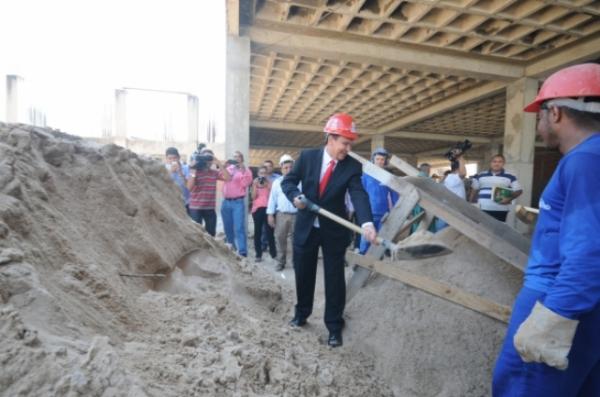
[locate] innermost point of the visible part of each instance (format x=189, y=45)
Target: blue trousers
x=233, y=214
x=515, y=378
x=364, y=244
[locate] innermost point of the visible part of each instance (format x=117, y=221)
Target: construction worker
x=326, y=174
x=552, y=347
x=381, y=197
x=281, y=213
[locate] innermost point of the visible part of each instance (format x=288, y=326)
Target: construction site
x=109, y=288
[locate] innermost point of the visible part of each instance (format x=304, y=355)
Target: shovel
x=423, y=248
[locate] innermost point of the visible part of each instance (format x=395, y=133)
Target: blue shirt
x=380, y=196
x=564, y=261
x=181, y=182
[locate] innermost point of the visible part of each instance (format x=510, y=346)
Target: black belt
x=289, y=213
x=235, y=198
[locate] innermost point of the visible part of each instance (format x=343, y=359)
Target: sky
x=72, y=55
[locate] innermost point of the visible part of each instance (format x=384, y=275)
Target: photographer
x=202, y=184
x=233, y=211
x=179, y=173
x=261, y=189
x=454, y=181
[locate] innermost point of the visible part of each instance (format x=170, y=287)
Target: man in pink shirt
x=233, y=211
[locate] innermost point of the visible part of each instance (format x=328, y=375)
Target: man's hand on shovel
x=369, y=233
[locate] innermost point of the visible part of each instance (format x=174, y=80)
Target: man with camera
x=484, y=184
x=179, y=173
x=233, y=211
x=281, y=213
x=202, y=184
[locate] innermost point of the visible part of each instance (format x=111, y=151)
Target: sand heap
x=73, y=215
x=426, y=346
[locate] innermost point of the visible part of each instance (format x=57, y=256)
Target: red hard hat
x=341, y=124
x=578, y=81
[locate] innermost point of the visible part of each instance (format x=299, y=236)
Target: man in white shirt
x=454, y=182
x=281, y=213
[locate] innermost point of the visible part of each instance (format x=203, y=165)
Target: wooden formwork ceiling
x=412, y=70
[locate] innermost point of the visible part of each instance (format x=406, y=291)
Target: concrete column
x=121, y=114
x=12, y=98
x=519, y=138
x=237, y=100
x=377, y=141
x=192, y=110
x=237, y=97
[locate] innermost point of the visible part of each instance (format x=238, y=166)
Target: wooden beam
x=403, y=166
x=456, y=101
x=578, y=52
x=390, y=230
x=285, y=126
x=430, y=136
x=495, y=236
x=441, y=290
x=339, y=46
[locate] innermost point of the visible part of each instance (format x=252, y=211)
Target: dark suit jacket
x=346, y=177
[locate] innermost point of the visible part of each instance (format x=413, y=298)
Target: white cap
x=285, y=158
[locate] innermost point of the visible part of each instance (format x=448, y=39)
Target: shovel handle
x=338, y=219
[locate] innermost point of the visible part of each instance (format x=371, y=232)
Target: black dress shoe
x=335, y=339
x=297, y=322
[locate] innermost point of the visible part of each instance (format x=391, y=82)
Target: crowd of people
x=551, y=347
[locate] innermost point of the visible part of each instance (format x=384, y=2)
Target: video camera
x=458, y=149
x=200, y=159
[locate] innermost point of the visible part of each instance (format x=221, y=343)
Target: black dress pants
x=260, y=221
x=305, y=269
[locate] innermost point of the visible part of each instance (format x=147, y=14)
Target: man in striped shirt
x=484, y=183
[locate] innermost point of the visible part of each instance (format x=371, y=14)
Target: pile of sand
x=73, y=215
x=426, y=346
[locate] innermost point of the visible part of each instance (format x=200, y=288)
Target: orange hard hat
x=578, y=81
x=341, y=124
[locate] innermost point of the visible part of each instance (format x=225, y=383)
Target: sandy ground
x=73, y=215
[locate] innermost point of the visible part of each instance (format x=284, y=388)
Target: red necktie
x=326, y=177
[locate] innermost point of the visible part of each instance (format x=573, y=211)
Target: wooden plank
x=495, y=236
x=403, y=166
x=390, y=229
x=442, y=290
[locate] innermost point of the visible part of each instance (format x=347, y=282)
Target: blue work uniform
x=563, y=273
x=382, y=198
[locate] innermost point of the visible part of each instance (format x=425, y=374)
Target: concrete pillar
x=237, y=97
x=121, y=115
x=237, y=100
x=12, y=98
x=519, y=138
x=377, y=141
x=192, y=112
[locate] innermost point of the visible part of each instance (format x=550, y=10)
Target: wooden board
x=442, y=290
x=390, y=230
x=495, y=236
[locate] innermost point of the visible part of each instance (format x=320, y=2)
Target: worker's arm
x=577, y=287
x=473, y=197
x=191, y=181
x=462, y=169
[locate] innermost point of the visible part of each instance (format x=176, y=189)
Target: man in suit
x=326, y=174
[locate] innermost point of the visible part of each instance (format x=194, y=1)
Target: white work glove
x=545, y=337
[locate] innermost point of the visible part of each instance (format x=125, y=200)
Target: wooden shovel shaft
x=346, y=223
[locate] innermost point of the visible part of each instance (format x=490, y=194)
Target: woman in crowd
x=261, y=189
